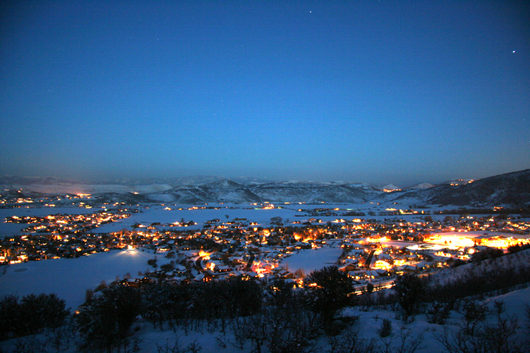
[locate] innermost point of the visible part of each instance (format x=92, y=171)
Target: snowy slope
x=70, y=278
x=506, y=189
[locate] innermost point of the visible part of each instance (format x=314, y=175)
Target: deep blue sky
x=372, y=91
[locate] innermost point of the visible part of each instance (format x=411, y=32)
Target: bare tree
x=474, y=335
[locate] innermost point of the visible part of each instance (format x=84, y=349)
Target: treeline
x=488, y=271
x=486, y=274
x=273, y=314
x=30, y=314
x=104, y=322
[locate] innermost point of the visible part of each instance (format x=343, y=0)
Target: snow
x=151, y=338
x=515, y=303
x=313, y=259
x=11, y=229
x=200, y=216
x=506, y=261
x=367, y=326
x=70, y=278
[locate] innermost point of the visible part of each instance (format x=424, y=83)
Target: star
x=513, y=52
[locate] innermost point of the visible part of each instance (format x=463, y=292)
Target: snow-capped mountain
x=505, y=189
x=313, y=192
x=290, y=191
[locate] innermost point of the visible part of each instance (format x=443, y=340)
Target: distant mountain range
x=512, y=189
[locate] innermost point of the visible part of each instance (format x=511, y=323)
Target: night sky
x=360, y=91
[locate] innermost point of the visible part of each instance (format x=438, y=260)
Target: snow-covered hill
x=69, y=278
x=313, y=192
x=507, y=189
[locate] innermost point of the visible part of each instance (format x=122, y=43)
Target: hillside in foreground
x=375, y=322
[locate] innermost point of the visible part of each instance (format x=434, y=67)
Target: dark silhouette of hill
x=505, y=189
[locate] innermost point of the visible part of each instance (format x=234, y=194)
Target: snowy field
x=159, y=213
x=200, y=216
x=313, y=259
x=70, y=278
x=226, y=212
